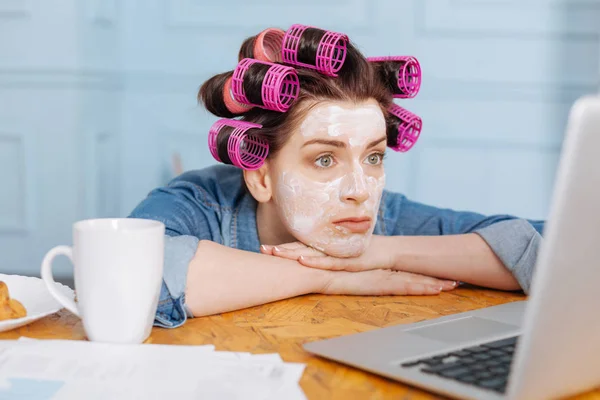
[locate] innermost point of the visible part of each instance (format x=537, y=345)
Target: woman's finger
x=295, y=254
x=334, y=263
x=448, y=285
x=377, y=283
x=428, y=280
x=292, y=246
x=268, y=249
x=398, y=283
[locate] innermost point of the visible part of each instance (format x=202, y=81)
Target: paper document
x=65, y=370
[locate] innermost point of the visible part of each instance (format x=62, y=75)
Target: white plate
x=34, y=296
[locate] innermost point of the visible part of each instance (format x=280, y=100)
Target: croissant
x=10, y=308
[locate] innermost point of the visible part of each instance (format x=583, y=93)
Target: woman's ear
x=259, y=183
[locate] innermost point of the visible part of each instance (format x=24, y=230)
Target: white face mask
x=316, y=211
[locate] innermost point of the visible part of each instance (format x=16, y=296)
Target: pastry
x=9, y=308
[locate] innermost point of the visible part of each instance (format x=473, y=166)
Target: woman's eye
x=375, y=159
x=324, y=161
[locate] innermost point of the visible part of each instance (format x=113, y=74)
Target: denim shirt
x=214, y=204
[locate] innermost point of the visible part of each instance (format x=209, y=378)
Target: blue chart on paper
x=29, y=389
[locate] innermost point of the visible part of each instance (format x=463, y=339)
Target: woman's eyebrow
x=340, y=144
x=334, y=143
x=376, y=142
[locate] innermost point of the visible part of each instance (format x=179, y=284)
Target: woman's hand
x=378, y=255
x=371, y=273
x=381, y=282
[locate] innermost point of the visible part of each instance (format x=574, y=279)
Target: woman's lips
x=354, y=225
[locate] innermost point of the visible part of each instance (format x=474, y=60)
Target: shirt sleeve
x=189, y=215
x=514, y=240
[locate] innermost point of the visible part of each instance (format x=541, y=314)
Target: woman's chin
x=346, y=253
x=344, y=250
x=341, y=246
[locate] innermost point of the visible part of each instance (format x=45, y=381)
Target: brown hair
x=358, y=80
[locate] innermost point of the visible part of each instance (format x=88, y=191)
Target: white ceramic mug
x=118, y=268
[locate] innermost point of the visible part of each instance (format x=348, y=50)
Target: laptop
x=545, y=347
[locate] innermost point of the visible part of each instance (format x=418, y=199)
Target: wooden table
x=285, y=325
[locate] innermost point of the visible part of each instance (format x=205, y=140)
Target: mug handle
x=49, y=279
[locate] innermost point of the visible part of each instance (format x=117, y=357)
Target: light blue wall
x=96, y=96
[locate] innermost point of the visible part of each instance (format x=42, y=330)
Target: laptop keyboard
x=486, y=366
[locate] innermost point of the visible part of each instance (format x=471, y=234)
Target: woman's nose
x=354, y=188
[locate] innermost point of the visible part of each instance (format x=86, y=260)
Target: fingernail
x=263, y=247
x=275, y=248
x=454, y=284
x=434, y=289
x=301, y=258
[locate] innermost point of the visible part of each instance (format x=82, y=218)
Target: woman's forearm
x=466, y=258
x=223, y=279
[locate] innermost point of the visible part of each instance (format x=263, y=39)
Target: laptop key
x=411, y=364
x=455, y=372
x=481, y=356
x=505, y=359
x=501, y=343
x=441, y=367
x=430, y=361
x=477, y=367
x=460, y=353
x=483, y=375
x=498, y=384
x=467, y=360
x=467, y=379
x=477, y=349
x=499, y=370
x=492, y=363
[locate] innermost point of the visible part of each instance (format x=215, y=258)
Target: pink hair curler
x=245, y=151
x=231, y=104
x=331, y=52
x=280, y=86
x=409, y=128
x=409, y=74
x=267, y=45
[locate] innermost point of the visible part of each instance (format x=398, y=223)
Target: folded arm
x=202, y=276
x=221, y=279
x=498, y=251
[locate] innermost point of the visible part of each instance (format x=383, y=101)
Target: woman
x=314, y=217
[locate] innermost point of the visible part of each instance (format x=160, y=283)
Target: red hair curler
x=230, y=102
x=267, y=45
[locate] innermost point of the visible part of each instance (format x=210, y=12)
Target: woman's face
x=328, y=178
